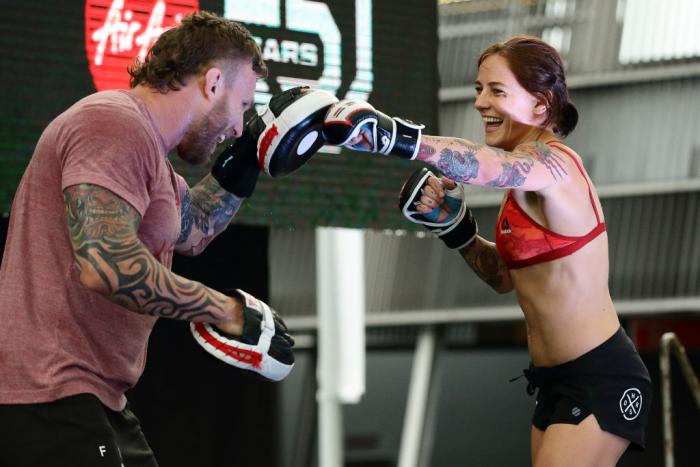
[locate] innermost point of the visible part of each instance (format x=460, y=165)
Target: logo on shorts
x=631, y=403
x=576, y=411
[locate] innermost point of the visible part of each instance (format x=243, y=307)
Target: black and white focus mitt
x=458, y=229
x=264, y=348
x=293, y=129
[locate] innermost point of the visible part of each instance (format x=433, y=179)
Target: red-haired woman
x=551, y=245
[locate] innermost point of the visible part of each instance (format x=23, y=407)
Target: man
x=95, y=221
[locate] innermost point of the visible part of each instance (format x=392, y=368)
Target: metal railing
x=670, y=343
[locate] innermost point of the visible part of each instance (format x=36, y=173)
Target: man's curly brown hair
x=186, y=50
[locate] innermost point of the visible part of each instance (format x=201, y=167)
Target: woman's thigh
x=582, y=445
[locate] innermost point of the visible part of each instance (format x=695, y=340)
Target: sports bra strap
x=567, y=151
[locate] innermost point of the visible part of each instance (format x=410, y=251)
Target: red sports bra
x=522, y=242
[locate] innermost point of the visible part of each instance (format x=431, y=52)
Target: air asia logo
x=325, y=46
x=118, y=31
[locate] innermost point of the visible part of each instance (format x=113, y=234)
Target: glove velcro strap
x=406, y=139
x=460, y=234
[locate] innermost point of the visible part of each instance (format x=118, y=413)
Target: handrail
x=670, y=343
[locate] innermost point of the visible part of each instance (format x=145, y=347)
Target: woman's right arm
x=482, y=256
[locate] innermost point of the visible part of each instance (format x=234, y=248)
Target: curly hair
x=539, y=69
x=189, y=48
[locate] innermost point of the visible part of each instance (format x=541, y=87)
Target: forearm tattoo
x=486, y=263
x=207, y=210
x=459, y=160
x=102, y=229
x=459, y=166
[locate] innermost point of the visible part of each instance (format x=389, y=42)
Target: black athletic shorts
x=611, y=382
x=77, y=431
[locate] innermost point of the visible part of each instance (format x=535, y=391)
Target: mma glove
x=236, y=169
x=293, y=123
x=264, y=348
x=359, y=126
x=458, y=229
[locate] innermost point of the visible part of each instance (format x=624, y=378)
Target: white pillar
x=341, y=334
x=418, y=393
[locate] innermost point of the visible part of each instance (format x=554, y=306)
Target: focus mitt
x=264, y=347
x=293, y=129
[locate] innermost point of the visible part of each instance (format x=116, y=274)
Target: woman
x=551, y=248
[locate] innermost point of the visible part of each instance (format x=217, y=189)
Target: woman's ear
x=542, y=105
x=540, y=109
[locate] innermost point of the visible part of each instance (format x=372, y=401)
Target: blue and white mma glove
x=359, y=126
x=457, y=230
x=264, y=348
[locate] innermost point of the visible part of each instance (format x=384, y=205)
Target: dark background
x=44, y=70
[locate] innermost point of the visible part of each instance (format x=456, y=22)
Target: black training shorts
x=77, y=431
x=611, y=382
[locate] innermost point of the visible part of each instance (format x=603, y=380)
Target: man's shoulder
x=105, y=114
x=106, y=102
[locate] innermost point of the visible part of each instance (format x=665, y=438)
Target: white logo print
x=631, y=403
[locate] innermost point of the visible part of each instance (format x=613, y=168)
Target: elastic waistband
x=616, y=356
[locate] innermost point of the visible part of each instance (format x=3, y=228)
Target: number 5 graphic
x=316, y=18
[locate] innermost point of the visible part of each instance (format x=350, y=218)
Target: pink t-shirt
x=58, y=338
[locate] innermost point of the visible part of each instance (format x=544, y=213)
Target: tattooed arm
x=530, y=167
x=482, y=256
x=113, y=261
x=207, y=210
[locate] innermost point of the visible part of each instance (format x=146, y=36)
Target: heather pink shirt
x=58, y=338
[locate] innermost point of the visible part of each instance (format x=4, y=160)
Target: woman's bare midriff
x=567, y=304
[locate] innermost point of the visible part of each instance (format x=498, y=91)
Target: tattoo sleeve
x=207, y=210
x=477, y=164
x=484, y=259
x=113, y=261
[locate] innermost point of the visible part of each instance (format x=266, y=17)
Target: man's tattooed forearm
x=212, y=207
x=206, y=211
x=103, y=230
x=186, y=218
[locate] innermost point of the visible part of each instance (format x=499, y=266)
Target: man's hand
x=236, y=169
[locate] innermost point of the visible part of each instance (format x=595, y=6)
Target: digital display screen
x=384, y=52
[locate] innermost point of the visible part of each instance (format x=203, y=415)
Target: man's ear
x=213, y=82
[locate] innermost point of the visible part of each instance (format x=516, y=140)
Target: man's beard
x=200, y=140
